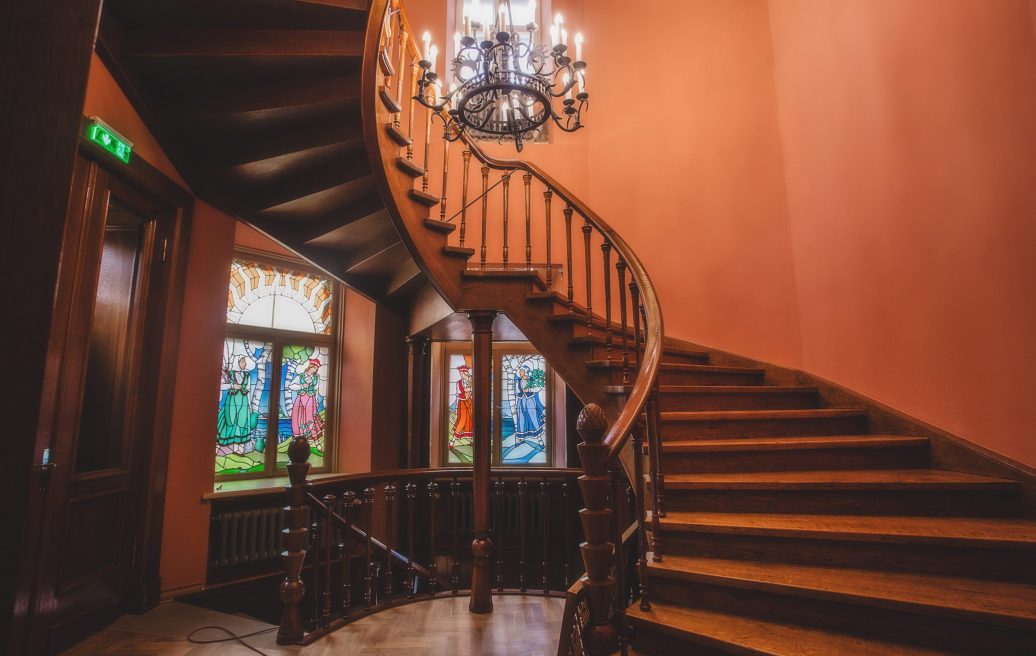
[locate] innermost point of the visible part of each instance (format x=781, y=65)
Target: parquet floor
x=519, y=626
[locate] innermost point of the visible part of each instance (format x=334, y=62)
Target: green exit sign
x=104, y=136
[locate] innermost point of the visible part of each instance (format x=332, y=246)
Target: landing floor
x=519, y=626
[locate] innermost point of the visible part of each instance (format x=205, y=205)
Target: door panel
x=104, y=411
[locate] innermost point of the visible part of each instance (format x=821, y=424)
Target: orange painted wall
x=106, y=100
x=186, y=525
x=909, y=140
x=685, y=162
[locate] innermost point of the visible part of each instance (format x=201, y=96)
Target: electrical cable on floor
x=233, y=636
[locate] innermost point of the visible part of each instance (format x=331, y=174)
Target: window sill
x=256, y=486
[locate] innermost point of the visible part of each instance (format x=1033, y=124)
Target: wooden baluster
x=641, y=511
x=329, y=513
x=656, y=432
x=427, y=147
x=445, y=173
x=606, y=252
x=522, y=494
x=498, y=528
x=620, y=561
x=587, y=229
x=568, y=249
x=566, y=541
x=485, y=212
x=400, y=72
x=414, y=74
x=368, y=516
x=600, y=636
x=292, y=589
x=545, y=533
x=455, y=521
x=464, y=198
x=527, y=180
x=547, y=196
x=507, y=203
x=410, y=491
x=620, y=269
x=635, y=306
x=390, y=533
x=315, y=538
x=433, y=566
x=348, y=501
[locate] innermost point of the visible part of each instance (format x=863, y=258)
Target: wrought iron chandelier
x=505, y=86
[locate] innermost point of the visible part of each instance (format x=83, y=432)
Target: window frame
x=279, y=338
x=496, y=451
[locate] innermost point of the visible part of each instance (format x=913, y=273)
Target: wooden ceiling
x=256, y=102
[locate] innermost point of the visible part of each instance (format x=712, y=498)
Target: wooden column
x=292, y=589
x=481, y=546
x=600, y=636
x=418, y=402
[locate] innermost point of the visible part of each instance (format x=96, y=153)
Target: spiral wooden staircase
x=783, y=515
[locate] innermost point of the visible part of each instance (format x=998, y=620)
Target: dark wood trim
x=242, y=43
x=46, y=82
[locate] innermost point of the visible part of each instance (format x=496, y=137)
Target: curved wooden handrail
x=619, y=433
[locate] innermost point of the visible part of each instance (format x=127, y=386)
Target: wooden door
x=113, y=286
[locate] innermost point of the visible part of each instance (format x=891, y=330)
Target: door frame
x=162, y=329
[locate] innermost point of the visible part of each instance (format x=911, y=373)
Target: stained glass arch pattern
x=269, y=296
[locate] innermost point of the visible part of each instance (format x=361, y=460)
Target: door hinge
x=165, y=248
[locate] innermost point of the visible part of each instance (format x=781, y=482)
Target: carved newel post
x=292, y=589
x=600, y=637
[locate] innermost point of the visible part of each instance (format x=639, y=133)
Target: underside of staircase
x=256, y=102
x=794, y=522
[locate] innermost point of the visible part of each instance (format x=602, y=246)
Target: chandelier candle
x=506, y=84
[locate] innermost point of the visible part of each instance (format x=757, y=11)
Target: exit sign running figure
x=100, y=133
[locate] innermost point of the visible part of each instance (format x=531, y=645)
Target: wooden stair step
x=892, y=479
x=505, y=274
x=1000, y=533
x=389, y=100
x=989, y=548
x=996, y=602
x=759, y=423
x=423, y=197
x=844, y=492
x=671, y=354
x=397, y=135
x=409, y=167
x=795, y=443
x=821, y=452
x=749, y=635
x=691, y=374
x=444, y=227
x=696, y=398
x=577, y=320
x=458, y=251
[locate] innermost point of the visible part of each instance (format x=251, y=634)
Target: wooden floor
x=519, y=626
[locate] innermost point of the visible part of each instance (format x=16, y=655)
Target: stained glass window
x=269, y=296
x=274, y=385
x=459, y=424
x=523, y=409
x=303, y=406
x=520, y=426
x=244, y=404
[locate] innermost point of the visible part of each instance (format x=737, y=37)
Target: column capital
x=482, y=320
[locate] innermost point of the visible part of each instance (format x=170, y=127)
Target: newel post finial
x=600, y=637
